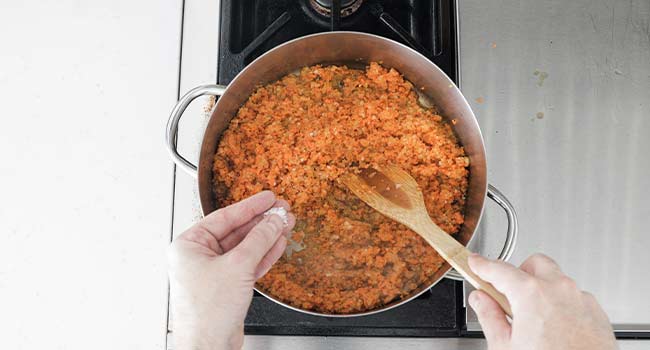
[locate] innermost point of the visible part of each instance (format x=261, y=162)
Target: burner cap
x=324, y=7
x=328, y=3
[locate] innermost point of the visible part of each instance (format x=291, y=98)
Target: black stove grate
x=251, y=27
x=436, y=313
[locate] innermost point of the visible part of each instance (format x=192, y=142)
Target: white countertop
x=86, y=184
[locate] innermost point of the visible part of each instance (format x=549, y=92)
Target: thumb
x=252, y=249
x=493, y=320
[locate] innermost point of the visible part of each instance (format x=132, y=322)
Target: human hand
x=549, y=311
x=213, y=267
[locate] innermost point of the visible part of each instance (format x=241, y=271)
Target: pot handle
x=511, y=235
x=174, y=118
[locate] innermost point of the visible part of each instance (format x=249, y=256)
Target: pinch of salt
x=281, y=212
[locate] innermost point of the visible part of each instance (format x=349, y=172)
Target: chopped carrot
x=296, y=137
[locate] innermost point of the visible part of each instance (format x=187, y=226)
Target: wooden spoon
x=394, y=193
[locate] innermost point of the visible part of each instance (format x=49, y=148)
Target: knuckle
x=223, y=215
x=531, y=290
x=488, y=266
x=199, y=235
x=238, y=256
x=202, y=236
x=488, y=270
x=566, y=282
x=249, y=211
x=276, y=222
x=533, y=258
x=532, y=285
x=496, y=267
x=589, y=298
x=265, y=228
x=265, y=233
x=539, y=258
x=271, y=224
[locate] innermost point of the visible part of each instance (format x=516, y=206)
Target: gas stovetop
x=251, y=27
x=436, y=313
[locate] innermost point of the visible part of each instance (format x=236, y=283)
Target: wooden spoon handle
x=456, y=254
x=459, y=262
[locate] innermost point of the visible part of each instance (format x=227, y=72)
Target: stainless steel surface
x=337, y=343
x=579, y=173
x=343, y=343
x=352, y=48
x=175, y=117
x=511, y=233
x=254, y=342
x=513, y=224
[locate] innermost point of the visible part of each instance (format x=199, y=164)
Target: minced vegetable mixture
x=296, y=136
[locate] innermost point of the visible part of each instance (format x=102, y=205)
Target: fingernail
x=281, y=213
x=274, y=221
x=291, y=219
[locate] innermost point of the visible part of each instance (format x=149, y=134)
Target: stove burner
x=251, y=27
x=328, y=3
x=324, y=7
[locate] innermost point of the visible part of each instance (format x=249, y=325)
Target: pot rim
x=484, y=193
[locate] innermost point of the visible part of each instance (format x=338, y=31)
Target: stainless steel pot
x=353, y=49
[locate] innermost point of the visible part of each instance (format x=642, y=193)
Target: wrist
x=200, y=326
x=190, y=333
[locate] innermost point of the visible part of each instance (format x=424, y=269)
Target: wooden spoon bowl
x=394, y=193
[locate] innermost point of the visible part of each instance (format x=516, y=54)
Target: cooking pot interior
x=355, y=50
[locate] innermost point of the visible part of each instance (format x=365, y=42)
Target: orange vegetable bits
x=296, y=136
